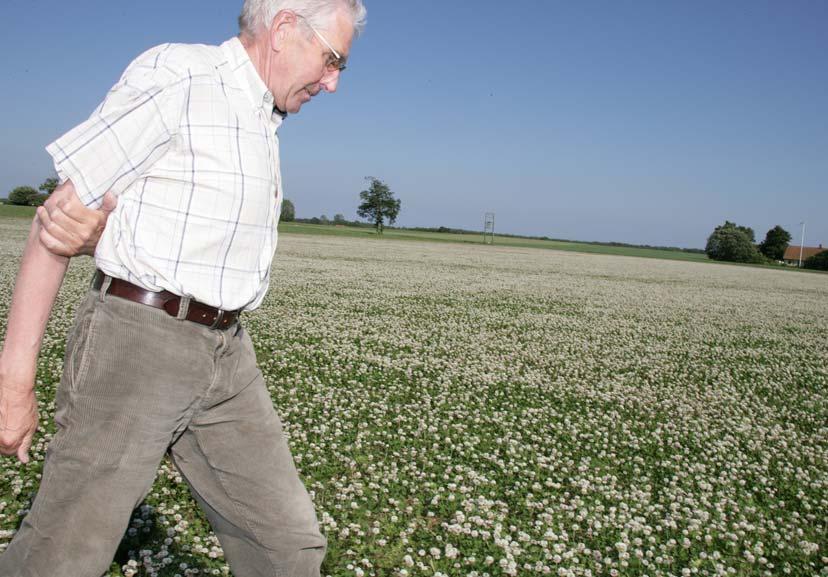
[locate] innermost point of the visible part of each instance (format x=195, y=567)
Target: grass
x=510, y=241
x=11, y=211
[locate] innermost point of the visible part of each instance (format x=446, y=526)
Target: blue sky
x=645, y=122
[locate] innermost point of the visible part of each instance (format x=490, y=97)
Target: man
x=157, y=361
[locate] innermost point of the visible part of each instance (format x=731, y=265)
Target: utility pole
x=801, y=242
x=488, y=228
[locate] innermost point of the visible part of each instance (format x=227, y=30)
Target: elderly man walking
x=157, y=360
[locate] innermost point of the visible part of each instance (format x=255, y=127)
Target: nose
x=330, y=81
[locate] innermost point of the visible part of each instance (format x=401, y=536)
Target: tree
x=324, y=219
x=38, y=199
x=23, y=196
x=731, y=242
x=747, y=230
x=49, y=185
x=378, y=204
x=339, y=218
x=775, y=243
x=819, y=261
x=288, y=211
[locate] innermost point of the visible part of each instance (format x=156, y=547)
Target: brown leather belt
x=169, y=302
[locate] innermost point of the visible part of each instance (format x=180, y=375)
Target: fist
x=67, y=226
x=18, y=422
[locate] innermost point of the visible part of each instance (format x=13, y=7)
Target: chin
x=292, y=106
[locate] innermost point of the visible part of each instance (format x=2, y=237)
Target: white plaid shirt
x=187, y=141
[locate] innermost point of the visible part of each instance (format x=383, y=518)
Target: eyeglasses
x=335, y=63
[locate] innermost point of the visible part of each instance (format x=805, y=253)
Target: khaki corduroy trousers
x=138, y=383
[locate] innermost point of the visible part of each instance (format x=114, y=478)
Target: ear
x=281, y=28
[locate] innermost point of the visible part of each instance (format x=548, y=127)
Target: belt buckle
x=219, y=318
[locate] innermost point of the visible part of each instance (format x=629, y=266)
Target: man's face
x=307, y=72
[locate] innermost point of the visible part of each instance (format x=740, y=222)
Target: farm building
x=792, y=253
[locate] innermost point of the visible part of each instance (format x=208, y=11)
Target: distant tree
x=339, y=219
x=378, y=204
x=747, y=230
x=819, y=261
x=38, y=200
x=731, y=242
x=775, y=243
x=324, y=219
x=288, y=211
x=49, y=185
x=23, y=196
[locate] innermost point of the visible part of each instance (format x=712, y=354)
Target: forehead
x=340, y=33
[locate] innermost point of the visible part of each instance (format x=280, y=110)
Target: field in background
x=11, y=211
x=490, y=410
x=359, y=232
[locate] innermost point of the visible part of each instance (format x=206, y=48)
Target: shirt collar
x=249, y=78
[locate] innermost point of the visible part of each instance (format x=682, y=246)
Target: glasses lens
x=335, y=64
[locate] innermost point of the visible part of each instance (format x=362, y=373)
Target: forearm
x=38, y=281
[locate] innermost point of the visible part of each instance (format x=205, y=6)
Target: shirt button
x=268, y=97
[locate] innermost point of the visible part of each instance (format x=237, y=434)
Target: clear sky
x=635, y=121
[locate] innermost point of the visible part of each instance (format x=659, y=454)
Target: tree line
x=378, y=205
x=728, y=242
x=734, y=243
x=28, y=196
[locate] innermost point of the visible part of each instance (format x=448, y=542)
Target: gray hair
x=259, y=14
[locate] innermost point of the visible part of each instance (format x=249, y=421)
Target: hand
x=68, y=228
x=18, y=421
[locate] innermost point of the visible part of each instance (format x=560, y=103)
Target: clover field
x=485, y=411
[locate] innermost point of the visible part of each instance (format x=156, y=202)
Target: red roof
x=792, y=252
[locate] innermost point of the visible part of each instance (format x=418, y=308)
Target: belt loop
x=107, y=280
x=183, y=308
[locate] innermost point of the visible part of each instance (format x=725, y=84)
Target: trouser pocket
x=80, y=342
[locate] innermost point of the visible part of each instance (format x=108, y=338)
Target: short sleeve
x=127, y=133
